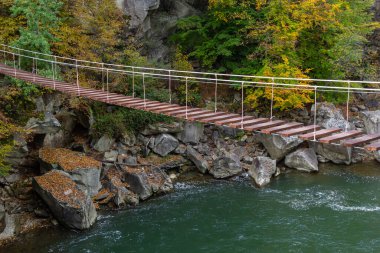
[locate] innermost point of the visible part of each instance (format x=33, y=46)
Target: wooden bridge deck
x=248, y=123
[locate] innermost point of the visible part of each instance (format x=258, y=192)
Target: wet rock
x=197, y=159
x=164, y=144
x=225, y=166
x=303, y=159
x=147, y=181
x=71, y=206
x=162, y=128
x=104, y=143
x=192, y=132
x=47, y=126
x=262, y=170
x=371, y=121
x=277, y=146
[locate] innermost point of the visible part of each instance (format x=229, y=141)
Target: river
x=335, y=210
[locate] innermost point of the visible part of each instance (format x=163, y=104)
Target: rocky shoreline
x=63, y=176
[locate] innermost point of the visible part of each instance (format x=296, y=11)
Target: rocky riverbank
x=63, y=175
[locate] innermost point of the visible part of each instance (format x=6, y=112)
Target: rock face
x=192, y=132
x=104, y=143
x=226, y=166
x=277, y=146
x=371, y=121
x=47, y=126
x=197, y=159
x=262, y=170
x=138, y=10
x=328, y=116
x=84, y=170
x=147, y=181
x=162, y=128
x=303, y=160
x=164, y=144
x=72, y=207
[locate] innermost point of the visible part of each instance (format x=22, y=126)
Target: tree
x=9, y=26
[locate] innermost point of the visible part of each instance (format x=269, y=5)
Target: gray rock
x=163, y=128
x=104, y=143
x=49, y=125
x=128, y=139
x=197, y=159
x=377, y=155
x=328, y=116
x=262, y=170
x=41, y=213
x=192, y=132
x=19, y=155
x=226, y=166
x=87, y=179
x=181, y=149
x=57, y=140
x=111, y=156
x=138, y=10
x=371, y=121
x=164, y=144
x=303, y=159
x=277, y=146
x=123, y=196
x=148, y=181
x=335, y=153
x=10, y=227
x=69, y=205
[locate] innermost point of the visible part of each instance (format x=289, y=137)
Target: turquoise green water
x=336, y=210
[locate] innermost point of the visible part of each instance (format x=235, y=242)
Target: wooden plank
x=265, y=125
x=204, y=115
x=167, y=110
x=340, y=136
x=361, y=140
x=281, y=128
x=320, y=133
x=141, y=103
x=131, y=102
x=153, y=105
x=248, y=122
x=299, y=130
x=175, y=113
x=213, y=119
x=235, y=120
x=194, y=113
x=375, y=146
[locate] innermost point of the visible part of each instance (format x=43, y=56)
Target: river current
x=335, y=210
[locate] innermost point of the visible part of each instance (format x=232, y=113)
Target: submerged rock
x=69, y=205
x=147, y=181
x=197, y=159
x=226, y=166
x=262, y=170
x=303, y=159
x=164, y=144
x=84, y=170
x=277, y=146
x=371, y=121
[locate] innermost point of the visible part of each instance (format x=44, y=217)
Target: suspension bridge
x=11, y=67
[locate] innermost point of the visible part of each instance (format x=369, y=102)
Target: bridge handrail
x=169, y=71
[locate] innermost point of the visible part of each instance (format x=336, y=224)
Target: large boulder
x=278, y=146
x=164, y=144
x=104, y=143
x=70, y=206
x=371, y=121
x=262, y=170
x=147, y=181
x=138, y=10
x=328, y=116
x=303, y=159
x=225, y=166
x=84, y=170
x=335, y=153
x=47, y=126
x=197, y=159
x=192, y=132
